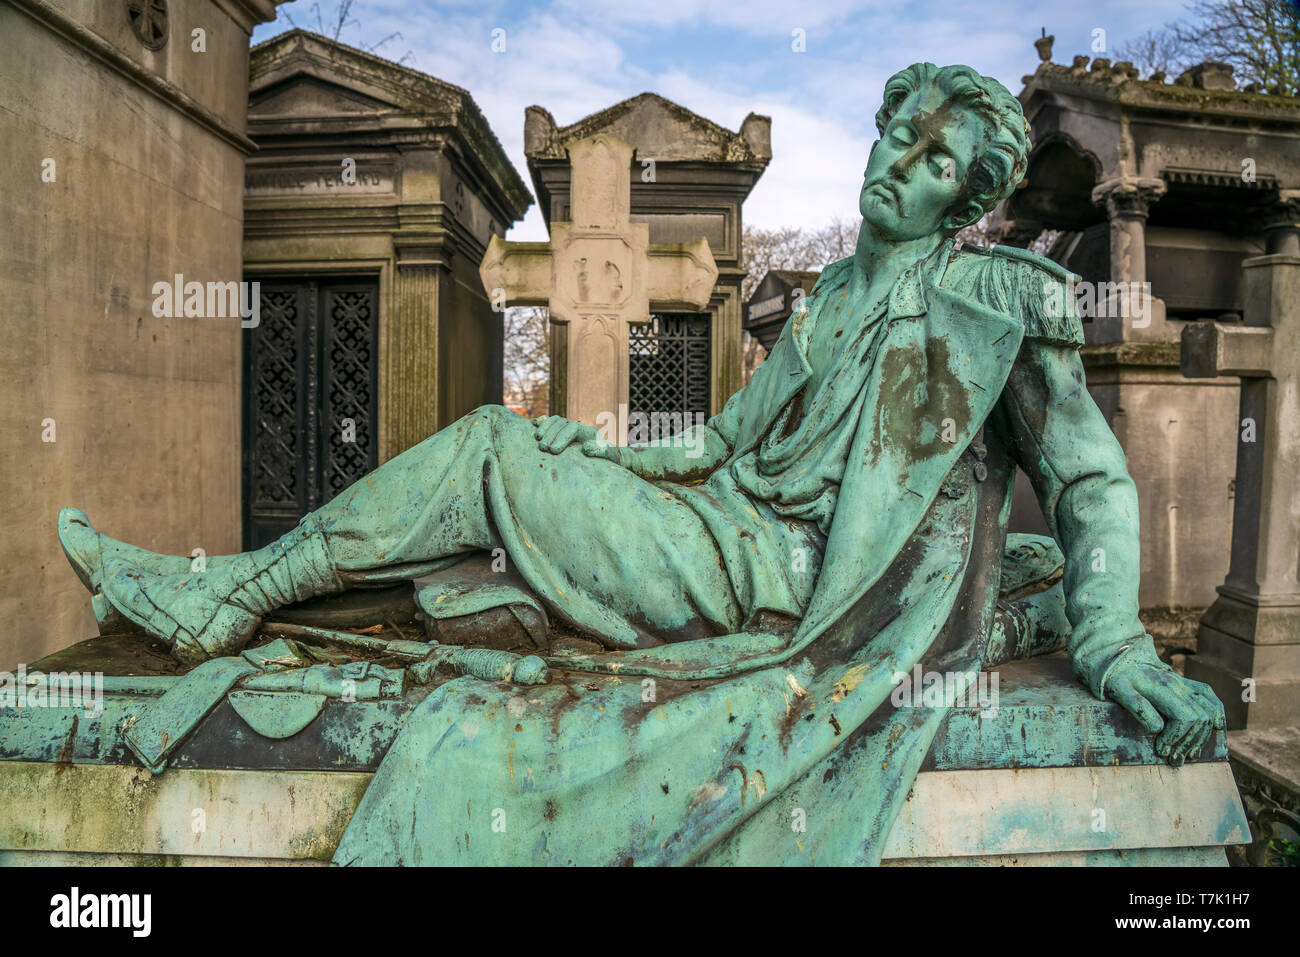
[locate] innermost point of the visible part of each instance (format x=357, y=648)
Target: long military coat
x=784, y=747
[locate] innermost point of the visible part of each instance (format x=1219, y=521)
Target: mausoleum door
x=310, y=395
x=670, y=368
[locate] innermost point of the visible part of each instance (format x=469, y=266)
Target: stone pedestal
x=1053, y=777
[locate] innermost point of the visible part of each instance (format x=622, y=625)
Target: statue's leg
x=1028, y=627
x=214, y=611
x=1030, y=616
x=605, y=550
x=426, y=503
x=204, y=613
x=613, y=552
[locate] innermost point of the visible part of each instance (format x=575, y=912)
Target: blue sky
x=724, y=60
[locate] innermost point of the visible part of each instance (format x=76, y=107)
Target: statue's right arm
x=691, y=455
x=714, y=442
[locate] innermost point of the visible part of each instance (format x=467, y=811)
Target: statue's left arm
x=1062, y=442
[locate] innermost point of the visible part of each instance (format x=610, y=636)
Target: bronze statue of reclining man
x=876, y=443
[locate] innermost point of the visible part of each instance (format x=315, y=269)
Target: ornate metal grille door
x=670, y=368
x=310, y=397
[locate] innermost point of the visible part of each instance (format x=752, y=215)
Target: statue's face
x=914, y=182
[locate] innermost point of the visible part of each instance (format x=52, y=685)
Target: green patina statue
x=758, y=588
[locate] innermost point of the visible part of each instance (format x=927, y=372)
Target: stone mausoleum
x=368, y=207
x=689, y=179
x=122, y=144
x=1173, y=182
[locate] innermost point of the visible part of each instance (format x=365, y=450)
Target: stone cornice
x=90, y=42
x=1118, y=83
x=426, y=226
x=1219, y=179
x=1148, y=354
x=249, y=13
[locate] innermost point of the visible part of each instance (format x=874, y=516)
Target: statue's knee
x=495, y=420
x=484, y=415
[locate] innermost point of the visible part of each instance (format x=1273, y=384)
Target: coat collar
x=915, y=293
x=908, y=299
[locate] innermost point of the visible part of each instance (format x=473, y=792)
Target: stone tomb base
x=1055, y=777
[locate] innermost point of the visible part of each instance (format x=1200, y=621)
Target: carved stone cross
x=599, y=273
x=1249, y=639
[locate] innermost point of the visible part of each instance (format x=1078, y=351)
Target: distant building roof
x=410, y=102
x=658, y=127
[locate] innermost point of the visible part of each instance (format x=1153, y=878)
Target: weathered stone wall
x=470, y=344
x=148, y=183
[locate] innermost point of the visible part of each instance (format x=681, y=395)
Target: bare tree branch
x=1259, y=39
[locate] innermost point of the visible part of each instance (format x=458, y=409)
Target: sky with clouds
x=723, y=61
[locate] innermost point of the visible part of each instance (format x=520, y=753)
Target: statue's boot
x=208, y=613
x=87, y=549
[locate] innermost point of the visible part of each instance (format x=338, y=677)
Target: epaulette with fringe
x=1031, y=288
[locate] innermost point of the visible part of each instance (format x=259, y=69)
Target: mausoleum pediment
x=660, y=128
x=349, y=80
x=312, y=96
x=305, y=89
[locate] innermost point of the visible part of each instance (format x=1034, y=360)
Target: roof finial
x=1044, y=46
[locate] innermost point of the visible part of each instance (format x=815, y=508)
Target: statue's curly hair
x=994, y=175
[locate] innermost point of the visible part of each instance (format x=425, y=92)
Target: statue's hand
x=555, y=433
x=1181, y=712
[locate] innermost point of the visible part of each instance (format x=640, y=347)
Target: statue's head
x=952, y=145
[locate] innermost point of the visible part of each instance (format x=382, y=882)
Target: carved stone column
x=1128, y=202
x=1125, y=311
x=1281, y=226
x=409, y=355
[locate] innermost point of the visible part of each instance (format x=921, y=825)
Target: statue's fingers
x=553, y=426
x=563, y=436
x=1211, y=703
x=1194, y=743
x=572, y=433
x=1128, y=697
x=1168, y=740
x=596, y=448
x=1173, y=698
